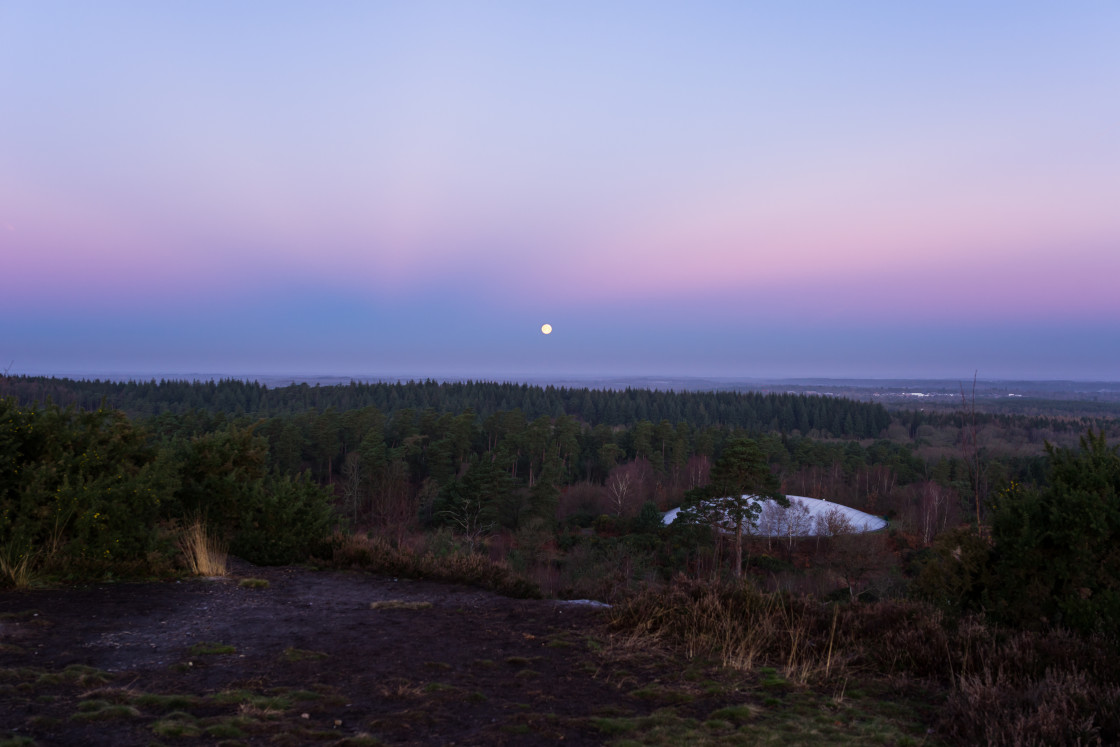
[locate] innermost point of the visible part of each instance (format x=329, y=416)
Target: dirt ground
x=311, y=658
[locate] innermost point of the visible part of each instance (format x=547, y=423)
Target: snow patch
x=583, y=602
x=802, y=514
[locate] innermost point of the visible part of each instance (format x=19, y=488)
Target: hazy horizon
x=651, y=379
x=726, y=189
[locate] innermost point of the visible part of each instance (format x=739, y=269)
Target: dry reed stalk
x=831, y=640
x=15, y=567
x=206, y=555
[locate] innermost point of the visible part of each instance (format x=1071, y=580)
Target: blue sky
x=732, y=189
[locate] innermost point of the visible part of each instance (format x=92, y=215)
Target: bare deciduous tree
x=970, y=446
x=353, y=493
x=619, y=484
x=798, y=522
x=628, y=485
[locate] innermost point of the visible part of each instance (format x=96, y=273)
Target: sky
x=734, y=189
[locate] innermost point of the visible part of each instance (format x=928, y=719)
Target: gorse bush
x=1052, y=560
x=266, y=518
x=80, y=489
x=1055, y=558
x=281, y=520
x=85, y=493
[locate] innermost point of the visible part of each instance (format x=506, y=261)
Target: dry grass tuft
x=16, y=567
x=401, y=689
x=740, y=626
x=254, y=711
x=205, y=554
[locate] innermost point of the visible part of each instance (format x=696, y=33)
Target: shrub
x=1055, y=558
x=81, y=491
x=955, y=572
x=282, y=520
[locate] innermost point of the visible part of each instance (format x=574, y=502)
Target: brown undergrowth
x=999, y=686
x=378, y=555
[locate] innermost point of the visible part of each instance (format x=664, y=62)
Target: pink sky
x=779, y=178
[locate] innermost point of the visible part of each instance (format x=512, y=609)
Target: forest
x=560, y=491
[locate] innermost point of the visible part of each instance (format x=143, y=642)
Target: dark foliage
x=750, y=411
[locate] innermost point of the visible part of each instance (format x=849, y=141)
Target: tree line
x=752, y=411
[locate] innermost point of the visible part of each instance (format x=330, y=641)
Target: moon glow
x=546, y=329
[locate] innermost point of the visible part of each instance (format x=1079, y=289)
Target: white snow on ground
x=803, y=513
x=583, y=602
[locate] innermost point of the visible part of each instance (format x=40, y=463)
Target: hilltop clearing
x=291, y=656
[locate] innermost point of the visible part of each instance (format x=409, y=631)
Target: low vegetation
x=999, y=685
x=203, y=553
x=453, y=566
x=254, y=583
x=996, y=586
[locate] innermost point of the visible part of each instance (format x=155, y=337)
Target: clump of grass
x=223, y=730
x=209, y=648
x=111, y=694
x=176, y=725
x=663, y=695
x=735, y=714
x=399, y=604
x=613, y=727
x=103, y=710
x=79, y=674
x=173, y=702
x=253, y=583
x=226, y=697
x=16, y=567
x=299, y=654
x=253, y=712
x=204, y=553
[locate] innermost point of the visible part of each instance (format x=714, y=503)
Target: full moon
x=546, y=329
